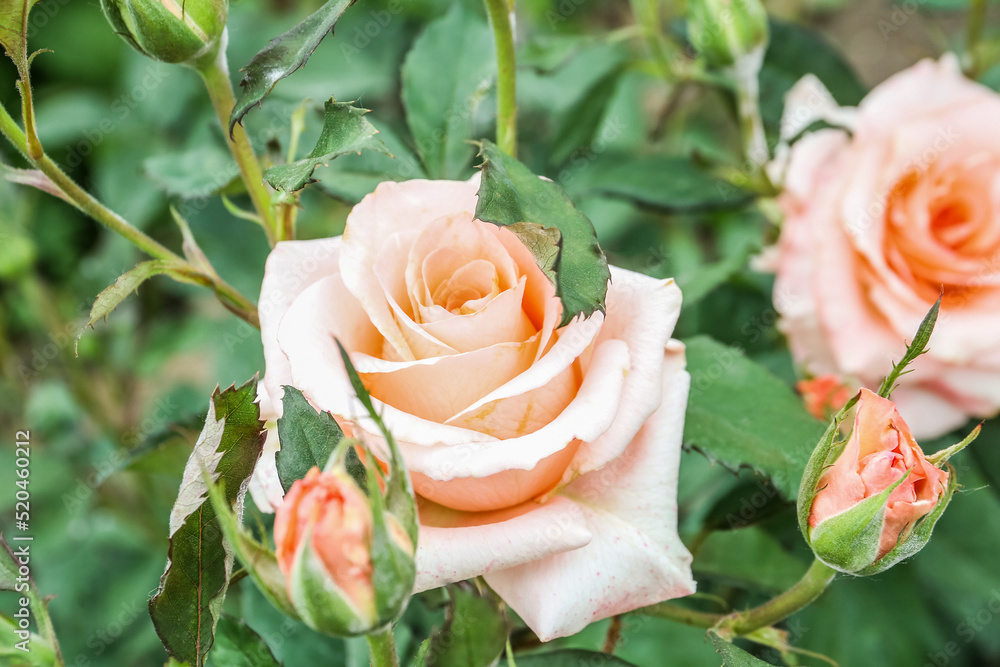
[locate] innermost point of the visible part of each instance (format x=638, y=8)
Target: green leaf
x=308, y=438
x=750, y=558
x=345, y=130
x=194, y=173
x=38, y=654
x=733, y=655
x=571, y=658
x=581, y=121
x=668, y=183
x=33, y=178
x=445, y=76
x=283, y=55
x=739, y=414
x=236, y=645
x=8, y=568
x=510, y=194
x=13, y=22
x=129, y=282
x=187, y=604
x=474, y=632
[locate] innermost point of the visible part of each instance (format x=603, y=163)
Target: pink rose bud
x=824, y=396
x=865, y=510
x=324, y=532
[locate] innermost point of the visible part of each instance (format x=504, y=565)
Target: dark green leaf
x=345, y=130
x=668, y=183
x=571, y=658
x=474, y=633
x=732, y=655
x=445, y=76
x=187, y=604
x=283, y=55
x=739, y=414
x=511, y=195
x=38, y=653
x=307, y=437
x=750, y=558
x=236, y=645
x=581, y=121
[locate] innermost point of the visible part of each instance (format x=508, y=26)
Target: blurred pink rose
x=877, y=222
x=544, y=459
x=824, y=395
x=878, y=453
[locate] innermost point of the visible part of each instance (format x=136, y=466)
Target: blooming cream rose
x=877, y=222
x=544, y=458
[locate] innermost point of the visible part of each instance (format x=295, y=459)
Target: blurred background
x=112, y=427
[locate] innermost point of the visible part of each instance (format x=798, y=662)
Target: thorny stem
x=382, y=648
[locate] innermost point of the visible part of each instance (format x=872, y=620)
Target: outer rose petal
x=291, y=267
x=446, y=555
x=642, y=312
x=636, y=557
x=265, y=487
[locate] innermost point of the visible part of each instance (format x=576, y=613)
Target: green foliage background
x=111, y=430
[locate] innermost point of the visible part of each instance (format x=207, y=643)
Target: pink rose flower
x=824, y=395
x=878, y=453
x=544, y=458
x=877, y=222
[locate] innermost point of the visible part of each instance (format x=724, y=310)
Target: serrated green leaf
x=474, y=632
x=129, y=282
x=741, y=415
x=445, y=75
x=733, y=655
x=668, y=183
x=510, y=195
x=283, y=55
x=581, y=121
x=308, y=438
x=572, y=657
x=750, y=558
x=187, y=604
x=345, y=130
x=236, y=645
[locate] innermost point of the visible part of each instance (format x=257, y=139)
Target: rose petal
x=635, y=558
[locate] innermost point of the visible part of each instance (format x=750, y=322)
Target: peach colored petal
x=642, y=312
x=635, y=557
x=463, y=551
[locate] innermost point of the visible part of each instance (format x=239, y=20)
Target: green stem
x=974, y=33
x=804, y=592
x=648, y=17
x=215, y=74
x=39, y=609
x=745, y=73
x=382, y=648
x=500, y=18
x=87, y=204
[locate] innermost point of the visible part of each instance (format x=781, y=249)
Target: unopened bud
x=174, y=31
x=723, y=31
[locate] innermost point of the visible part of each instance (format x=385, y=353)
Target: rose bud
x=724, y=31
x=823, y=396
x=878, y=502
x=348, y=564
x=169, y=30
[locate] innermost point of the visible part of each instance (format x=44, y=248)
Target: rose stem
x=215, y=73
x=382, y=648
x=86, y=203
x=501, y=15
x=977, y=19
x=800, y=595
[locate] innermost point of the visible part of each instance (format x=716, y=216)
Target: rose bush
x=544, y=458
x=877, y=222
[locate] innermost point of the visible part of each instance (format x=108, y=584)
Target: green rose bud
x=723, y=31
x=348, y=562
x=174, y=31
x=872, y=501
